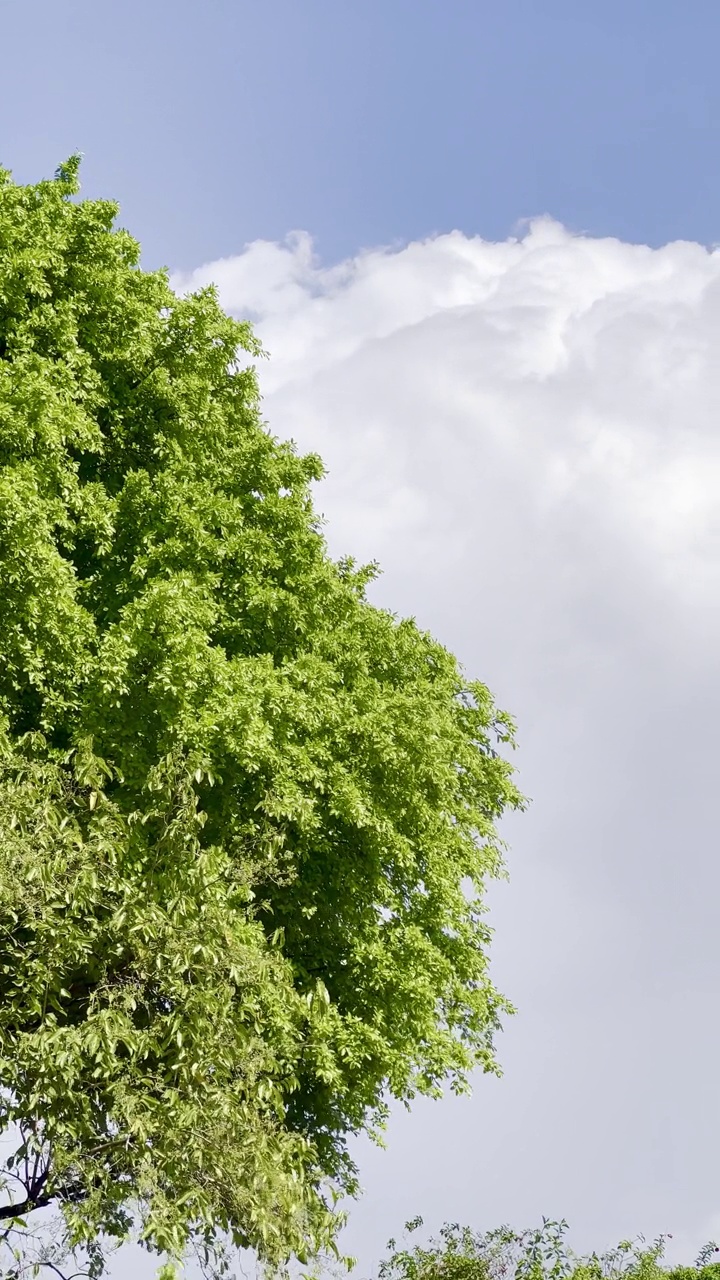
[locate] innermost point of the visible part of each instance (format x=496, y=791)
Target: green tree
x=539, y=1253
x=245, y=816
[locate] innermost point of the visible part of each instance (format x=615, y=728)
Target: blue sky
x=373, y=122
x=521, y=425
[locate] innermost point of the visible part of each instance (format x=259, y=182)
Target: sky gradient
x=218, y=123
x=520, y=422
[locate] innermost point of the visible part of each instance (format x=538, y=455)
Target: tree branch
x=25, y=1206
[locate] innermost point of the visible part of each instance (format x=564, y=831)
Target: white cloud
x=526, y=436
x=558, y=370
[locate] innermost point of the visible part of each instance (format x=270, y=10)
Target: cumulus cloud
x=525, y=436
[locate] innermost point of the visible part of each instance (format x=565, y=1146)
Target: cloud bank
x=525, y=436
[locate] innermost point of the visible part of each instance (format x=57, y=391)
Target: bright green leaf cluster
x=245, y=816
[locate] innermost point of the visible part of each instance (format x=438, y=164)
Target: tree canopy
x=537, y=1253
x=246, y=817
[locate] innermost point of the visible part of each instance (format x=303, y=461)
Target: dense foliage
x=245, y=816
x=540, y=1253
